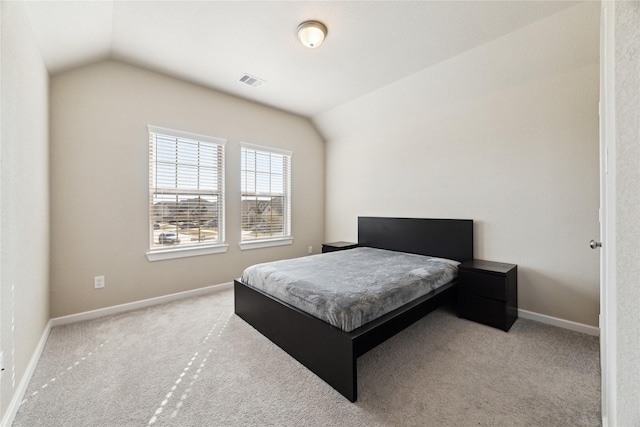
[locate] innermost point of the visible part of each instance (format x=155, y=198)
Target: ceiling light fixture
x=312, y=33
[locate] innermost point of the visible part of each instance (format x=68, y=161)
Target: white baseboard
x=94, y=314
x=16, y=401
x=561, y=323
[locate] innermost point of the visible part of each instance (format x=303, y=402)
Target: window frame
x=198, y=248
x=286, y=238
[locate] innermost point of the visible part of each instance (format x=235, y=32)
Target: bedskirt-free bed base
x=327, y=351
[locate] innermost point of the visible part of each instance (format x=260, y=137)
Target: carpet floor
x=192, y=362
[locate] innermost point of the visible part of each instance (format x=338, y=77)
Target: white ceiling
x=370, y=44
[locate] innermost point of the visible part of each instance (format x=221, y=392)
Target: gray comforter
x=350, y=288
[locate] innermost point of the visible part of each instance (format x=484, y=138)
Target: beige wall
x=99, y=183
x=505, y=134
x=627, y=215
x=24, y=199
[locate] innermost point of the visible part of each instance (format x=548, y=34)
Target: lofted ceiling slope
x=370, y=44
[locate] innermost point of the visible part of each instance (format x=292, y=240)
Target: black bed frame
x=330, y=352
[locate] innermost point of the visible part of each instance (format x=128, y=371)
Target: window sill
x=162, y=254
x=257, y=244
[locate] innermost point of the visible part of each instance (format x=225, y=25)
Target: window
x=186, y=194
x=266, y=197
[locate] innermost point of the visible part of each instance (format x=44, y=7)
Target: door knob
x=595, y=244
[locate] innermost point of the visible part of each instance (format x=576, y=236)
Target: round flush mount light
x=312, y=33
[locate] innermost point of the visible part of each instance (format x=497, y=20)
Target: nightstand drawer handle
x=595, y=244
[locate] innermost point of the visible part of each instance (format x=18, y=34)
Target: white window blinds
x=186, y=189
x=266, y=193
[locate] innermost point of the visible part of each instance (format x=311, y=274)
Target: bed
x=331, y=352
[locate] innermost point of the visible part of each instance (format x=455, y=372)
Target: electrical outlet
x=98, y=282
x=310, y=250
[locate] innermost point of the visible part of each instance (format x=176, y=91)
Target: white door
x=607, y=215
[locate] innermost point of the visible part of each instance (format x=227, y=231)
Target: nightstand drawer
x=482, y=284
x=484, y=310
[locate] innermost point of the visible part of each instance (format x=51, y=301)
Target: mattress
x=350, y=288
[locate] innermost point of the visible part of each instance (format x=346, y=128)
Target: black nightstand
x=488, y=293
x=337, y=246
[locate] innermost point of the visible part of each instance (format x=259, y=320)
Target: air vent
x=251, y=81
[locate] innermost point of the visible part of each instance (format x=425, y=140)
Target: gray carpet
x=194, y=363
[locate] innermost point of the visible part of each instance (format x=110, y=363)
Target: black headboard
x=444, y=238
